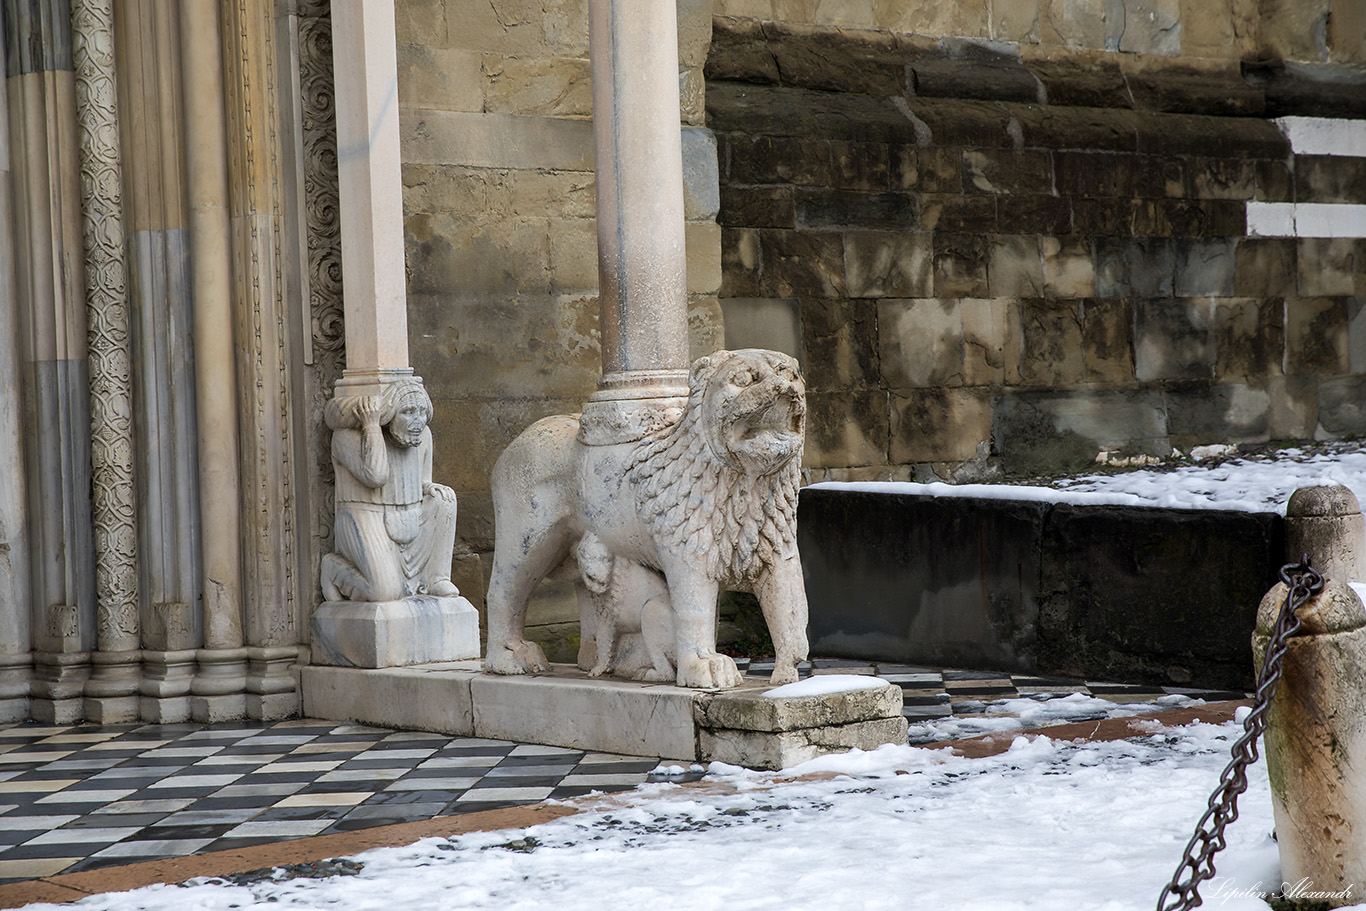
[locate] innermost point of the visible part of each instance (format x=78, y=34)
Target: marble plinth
x=379, y=634
x=565, y=707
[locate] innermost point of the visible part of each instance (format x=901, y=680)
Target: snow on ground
x=1254, y=483
x=1036, y=712
x=1099, y=826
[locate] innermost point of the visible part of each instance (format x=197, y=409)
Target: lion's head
x=755, y=404
x=722, y=482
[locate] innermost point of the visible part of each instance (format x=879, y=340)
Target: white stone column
x=642, y=274
x=413, y=618
x=218, y=688
x=16, y=635
x=370, y=178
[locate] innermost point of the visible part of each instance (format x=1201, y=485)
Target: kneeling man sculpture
x=658, y=527
x=395, y=529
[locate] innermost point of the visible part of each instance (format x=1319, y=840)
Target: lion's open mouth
x=774, y=428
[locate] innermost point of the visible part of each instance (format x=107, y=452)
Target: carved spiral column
x=111, y=693
x=53, y=340
x=324, y=338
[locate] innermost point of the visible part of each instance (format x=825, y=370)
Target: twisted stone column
x=111, y=693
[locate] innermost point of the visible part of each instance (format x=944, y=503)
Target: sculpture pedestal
x=416, y=630
x=567, y=708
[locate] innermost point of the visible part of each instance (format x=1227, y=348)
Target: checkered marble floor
x=78, y=798
x=84, y=797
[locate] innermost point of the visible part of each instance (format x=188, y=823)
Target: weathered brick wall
x=1028, y=251
x=495, y=106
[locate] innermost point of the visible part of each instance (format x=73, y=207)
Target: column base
x=169, y=710
x=374, y=634
x=272, y=707
x=15, y=710
x=165, y=686
x=111, y=709
x=57, y=711
x=213, y=709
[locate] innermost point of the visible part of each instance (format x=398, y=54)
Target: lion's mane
x=694, y=503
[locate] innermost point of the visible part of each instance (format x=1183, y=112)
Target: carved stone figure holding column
x=390, y=599
x=395, y=528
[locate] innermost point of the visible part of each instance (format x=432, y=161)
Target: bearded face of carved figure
x=756, y=402
x=408, y=423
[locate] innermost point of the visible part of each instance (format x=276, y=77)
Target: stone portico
x=176, y=308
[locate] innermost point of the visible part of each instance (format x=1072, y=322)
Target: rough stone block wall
x=1026, y=246
x=499, y=203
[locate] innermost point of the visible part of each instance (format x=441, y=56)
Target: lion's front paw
x=707, y=670
x=520, y=657
x=783, y=673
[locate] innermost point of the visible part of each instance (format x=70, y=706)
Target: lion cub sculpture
x=705, y=504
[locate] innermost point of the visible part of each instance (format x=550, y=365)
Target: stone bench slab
x=565, y=707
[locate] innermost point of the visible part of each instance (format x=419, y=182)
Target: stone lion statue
x=704, y=504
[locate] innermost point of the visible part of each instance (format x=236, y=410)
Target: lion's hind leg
x=533, y=516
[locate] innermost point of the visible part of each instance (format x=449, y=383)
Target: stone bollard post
x=1316, y=724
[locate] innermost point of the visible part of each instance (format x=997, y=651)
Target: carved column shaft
x=16, y=635
x=55, y=376
x=264, y=298
x=111, y=691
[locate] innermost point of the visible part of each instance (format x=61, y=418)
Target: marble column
x=218, y=689
x=151, y=103
x=50, y=274
x=414, y=617
x=111, y=692
x=267, y=306
x=641, y=262
x=16, y=664
x=370, y=177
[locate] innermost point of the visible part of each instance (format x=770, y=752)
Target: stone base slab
x=565, y=707
x=111, y=709
x=213, y=709
x=780, y=749
x=377, y=634
x=164, y=709
x=58, y=711
x=272, y=706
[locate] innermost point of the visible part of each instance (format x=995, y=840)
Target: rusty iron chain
x=1197, y=863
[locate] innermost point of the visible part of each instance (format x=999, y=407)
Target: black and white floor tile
x=84, y=797
x=78, y=798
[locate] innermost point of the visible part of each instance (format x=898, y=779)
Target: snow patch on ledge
x=825, y=684
x=1251, y=484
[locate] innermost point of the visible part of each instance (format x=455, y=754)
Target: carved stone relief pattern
x=111, y=381
x=267, y=468
x=324, y=252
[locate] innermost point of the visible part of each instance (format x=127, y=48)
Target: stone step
x=565, y=707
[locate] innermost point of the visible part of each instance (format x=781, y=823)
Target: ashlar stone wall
x=1015, y=235
x=495, y=103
